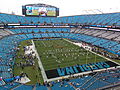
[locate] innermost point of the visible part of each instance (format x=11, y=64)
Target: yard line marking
x=43, y=43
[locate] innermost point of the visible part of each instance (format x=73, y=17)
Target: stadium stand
x=108, y=40
x=82, y=19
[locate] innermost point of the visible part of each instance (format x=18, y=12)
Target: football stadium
x=40, y=50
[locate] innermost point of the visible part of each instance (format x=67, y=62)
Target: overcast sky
x=67, y=7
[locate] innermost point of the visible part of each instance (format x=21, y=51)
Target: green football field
x=53, y=54
x=61, y=53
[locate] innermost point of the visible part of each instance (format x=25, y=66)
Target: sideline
x=94, y=53
x=40, y=63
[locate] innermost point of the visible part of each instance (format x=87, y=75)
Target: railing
x=88, y=80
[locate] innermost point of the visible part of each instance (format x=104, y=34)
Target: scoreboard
x=40, y=10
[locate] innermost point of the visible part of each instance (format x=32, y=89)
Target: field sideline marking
x=40, y=63
x=95, y=53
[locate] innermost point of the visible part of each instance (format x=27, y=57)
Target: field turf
x=60, y=53
x=54, y=54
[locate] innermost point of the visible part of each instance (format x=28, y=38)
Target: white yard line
x=43, y=43
x=40, y=63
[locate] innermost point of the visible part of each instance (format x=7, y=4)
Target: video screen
x=40, y=11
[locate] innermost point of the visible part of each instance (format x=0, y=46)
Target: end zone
x=80, y=69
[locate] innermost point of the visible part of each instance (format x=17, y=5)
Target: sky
x=66, y=7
